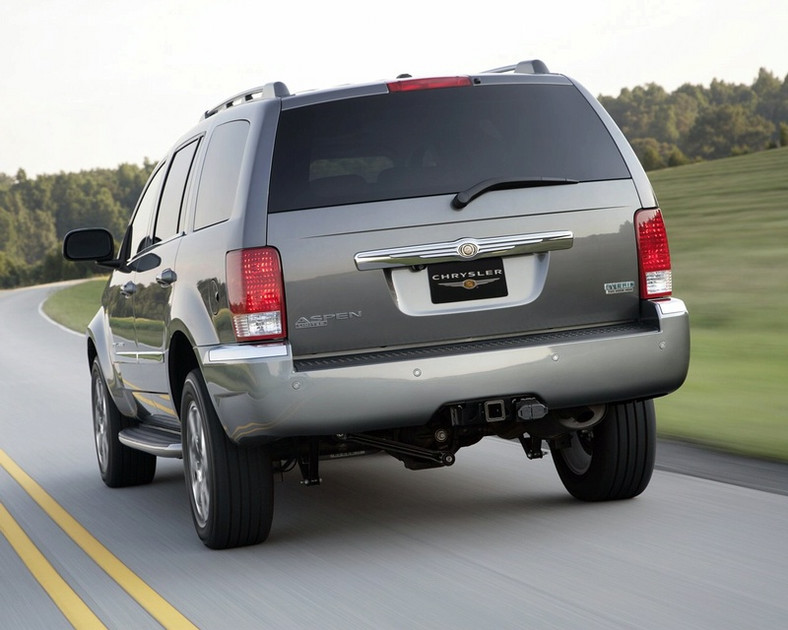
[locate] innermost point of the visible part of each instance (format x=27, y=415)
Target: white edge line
x=53, y=322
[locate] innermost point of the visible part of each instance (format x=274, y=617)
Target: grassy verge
x=734, y=398
x=75, y=306
x=728, y=226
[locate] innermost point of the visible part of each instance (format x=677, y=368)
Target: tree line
x=36, y=213
x=695, y=123
x=690, y=124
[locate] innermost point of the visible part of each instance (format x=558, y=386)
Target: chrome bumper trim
x=224, y=354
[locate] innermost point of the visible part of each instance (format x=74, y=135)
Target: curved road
x=493, y=542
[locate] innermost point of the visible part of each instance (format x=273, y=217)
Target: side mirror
x=94, y=244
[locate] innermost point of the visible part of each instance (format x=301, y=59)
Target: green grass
x=75, y=306
x=734, y=398
x=728, y=227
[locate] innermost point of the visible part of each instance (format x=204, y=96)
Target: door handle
x=128, y=289
x=166, y=277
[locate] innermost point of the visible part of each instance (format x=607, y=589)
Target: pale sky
x=95, y=83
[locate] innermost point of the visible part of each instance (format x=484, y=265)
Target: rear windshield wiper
x=463, y=198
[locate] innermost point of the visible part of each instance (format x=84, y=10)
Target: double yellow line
x=69, y=603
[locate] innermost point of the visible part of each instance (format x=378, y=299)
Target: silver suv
x=404, y=266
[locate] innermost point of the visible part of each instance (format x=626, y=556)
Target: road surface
x=492, y=542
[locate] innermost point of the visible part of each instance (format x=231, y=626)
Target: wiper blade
x=463, y=198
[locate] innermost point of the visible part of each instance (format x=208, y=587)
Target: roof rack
x=276, y=89
x=532, y=66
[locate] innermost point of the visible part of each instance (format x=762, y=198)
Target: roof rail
x=276, y=89
x=532, y=66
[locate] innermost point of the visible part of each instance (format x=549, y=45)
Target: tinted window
x=436, y=142
x=168, y=219
x=140, y=228
x=219, y=179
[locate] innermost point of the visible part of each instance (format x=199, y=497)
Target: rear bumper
x=261, y=392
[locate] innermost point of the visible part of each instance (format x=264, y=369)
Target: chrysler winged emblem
x=468, y=249
x=469, y=283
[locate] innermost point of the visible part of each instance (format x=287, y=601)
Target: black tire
x=231, y=487
x=120, y=466
x=613, y=460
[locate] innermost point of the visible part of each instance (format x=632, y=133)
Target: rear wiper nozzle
x=463, y=198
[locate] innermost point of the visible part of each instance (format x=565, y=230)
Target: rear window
x=435, y=142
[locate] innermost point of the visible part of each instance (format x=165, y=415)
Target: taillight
x=656, y=278
x=256, y=294
x=410, y=85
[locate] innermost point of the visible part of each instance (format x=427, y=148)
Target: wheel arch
x=97, y=343
x=98, y=347
x=92, y=352
x=182, y=360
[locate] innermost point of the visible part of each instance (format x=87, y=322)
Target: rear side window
x=168, y=221
x=219, y=179
x=434, y=142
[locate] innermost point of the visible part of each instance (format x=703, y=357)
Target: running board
x=153, y=440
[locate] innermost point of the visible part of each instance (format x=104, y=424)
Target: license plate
x=474, y=280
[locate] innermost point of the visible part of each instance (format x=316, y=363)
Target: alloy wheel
x=199, y=465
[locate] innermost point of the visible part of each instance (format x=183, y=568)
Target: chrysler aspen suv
x=403, y=267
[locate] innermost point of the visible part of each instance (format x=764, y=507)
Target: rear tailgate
x=377, y=253
x=336, y=303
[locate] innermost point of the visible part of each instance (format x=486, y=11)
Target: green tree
x=724, y=130
x=767, y=88
x=11, y=274
x=648, y=152
x=83, y=200
x=685, y=109
x=676, y=157
x=8, y=238
x=696, y=122
x=33, y=193
x=722, y=93
x=641, y=112
x=36, y=235
x=35, y=214
x=53, y=267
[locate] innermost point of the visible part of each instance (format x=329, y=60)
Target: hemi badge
x=612, y=288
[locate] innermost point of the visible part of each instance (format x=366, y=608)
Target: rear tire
x=231, y=487
x=613, y=460
x=120, y=466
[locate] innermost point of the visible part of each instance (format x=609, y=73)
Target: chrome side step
x=153, y=440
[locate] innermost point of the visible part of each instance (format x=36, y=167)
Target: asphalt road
x=492, y=542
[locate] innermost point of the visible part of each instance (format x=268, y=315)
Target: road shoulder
x=700, y=461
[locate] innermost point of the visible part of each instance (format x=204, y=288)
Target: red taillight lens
x=256, y=294
x=656, y=278
x=410, y=85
